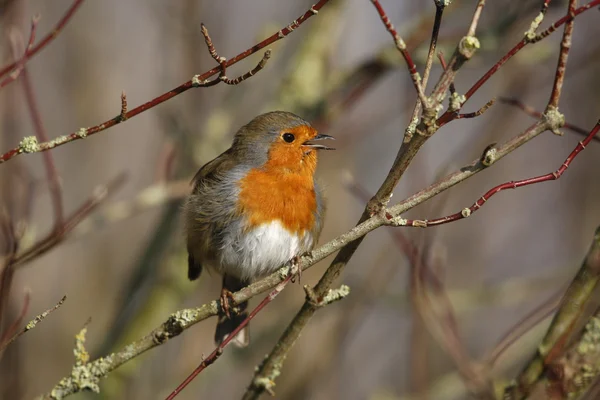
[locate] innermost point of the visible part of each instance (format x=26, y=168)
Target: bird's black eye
x=289, y=137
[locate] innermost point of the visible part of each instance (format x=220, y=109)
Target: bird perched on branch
x=254, y=208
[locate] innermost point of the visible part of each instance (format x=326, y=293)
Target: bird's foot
x=226, y=297
x=295, y=268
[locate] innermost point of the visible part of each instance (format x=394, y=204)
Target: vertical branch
x=563, y=325
x=565, y=46
x=401, y=46
x=476, y=16
x=41, y=134
x=439, y=11
x=46, y=40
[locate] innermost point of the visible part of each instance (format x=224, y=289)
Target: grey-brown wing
x=208, y=210
x=319, y=213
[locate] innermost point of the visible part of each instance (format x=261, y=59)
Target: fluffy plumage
x=256, y=206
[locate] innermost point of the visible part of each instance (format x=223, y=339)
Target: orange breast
x=269, y=194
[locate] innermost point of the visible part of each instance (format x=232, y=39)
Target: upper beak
x=318, y=146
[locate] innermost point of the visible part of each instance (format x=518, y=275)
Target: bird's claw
x=296, y=269
x=226, y=296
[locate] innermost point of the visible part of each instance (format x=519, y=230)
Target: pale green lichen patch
x=336, y=294
x=82, y=132
x=456, y=101
x=411, y=129
x=489, y=156
x=468, y=45
x=264, y=383
x=196, y=82
x=185, y=317
x=555, y=119
x=81, y=354
x=58, y=141
x=284, y=272
x=84, y=376
x=399, y=221
x=530, y=34
x=29, y=144
x=590, y=341
x=400, y=43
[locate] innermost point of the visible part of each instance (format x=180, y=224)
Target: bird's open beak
x=318, y=146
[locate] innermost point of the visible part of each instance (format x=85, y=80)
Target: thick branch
x=561, y=329
x=183, y=319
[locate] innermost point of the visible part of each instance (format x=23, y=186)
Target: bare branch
x=536, y=114
x=30, y=145
x=401, y=46
x=46, y=40
x=32, y=324
x=219, y=350
x=562, y=327
x=20, y=63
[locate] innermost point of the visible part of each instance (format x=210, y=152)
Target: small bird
x=254, y=208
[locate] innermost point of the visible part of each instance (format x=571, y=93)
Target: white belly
x=262, y=250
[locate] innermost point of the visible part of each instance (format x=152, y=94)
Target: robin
x=254, y=208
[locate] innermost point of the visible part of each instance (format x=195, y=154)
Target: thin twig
x=223, y=62
x=28, y=145
x=565, y=46
x=521, y=327
x=219, y=350
x=56, y=236
x=488, y=158
x=184, y=319
x=449, y=114
x=479, y=112
x=439, y=12
x=20, y=63
x=401, y=46
x=476, y=16
x=32, y=324
x=47, y=39
x=452, y=87
x=42, y=136
x=123, y=106
x=12, y=329
x=532, y=112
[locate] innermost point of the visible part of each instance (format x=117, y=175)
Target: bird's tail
x=237, y=315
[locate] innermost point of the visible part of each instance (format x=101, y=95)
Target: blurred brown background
x=126, y=269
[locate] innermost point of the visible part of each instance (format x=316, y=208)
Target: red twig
x=478, y=112
x=56, y=236
x=476, y=16
x=219, y=350
x=42, y=135
x=452, y=87
x=12, y=329
x=532, y=112
x=20, y=63
x=195, y=82
x=401, y=46
x=123, y=106
x=449, y=115
x=223, y=63
x=523, y=326
x=46, y=40
x=466, y=212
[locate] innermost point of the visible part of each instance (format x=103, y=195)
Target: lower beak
x=318, y=146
